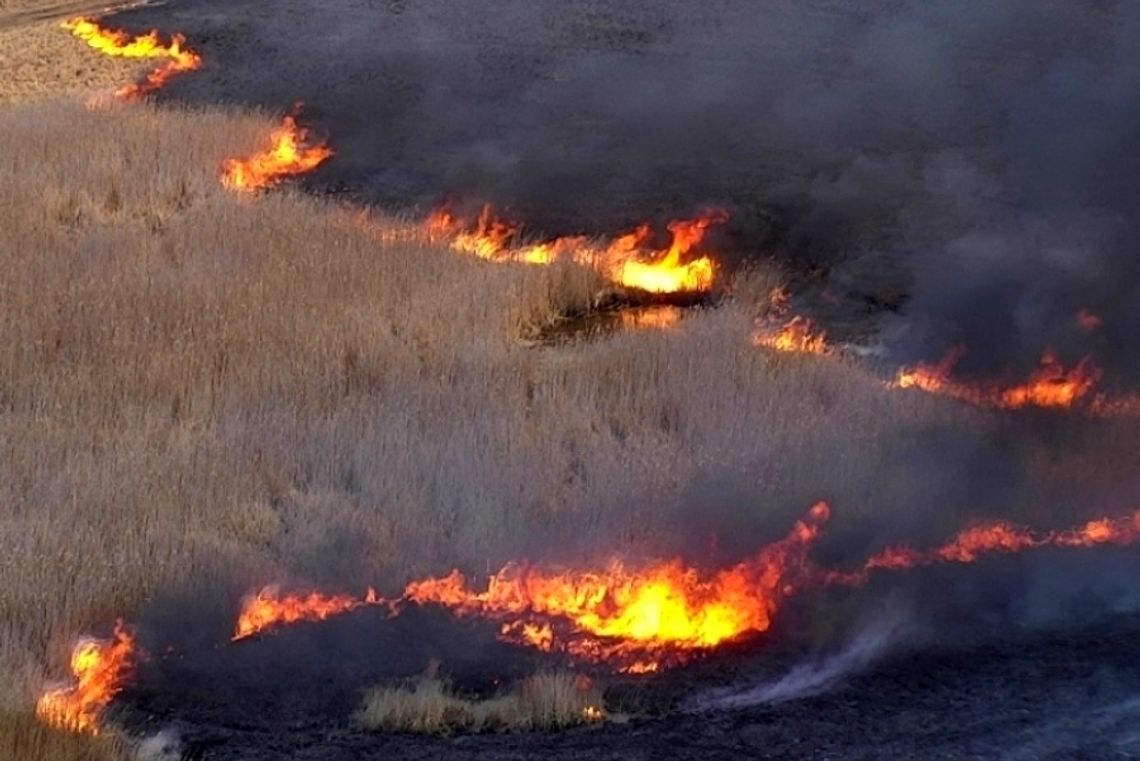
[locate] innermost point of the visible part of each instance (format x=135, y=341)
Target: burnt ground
x=1072, y=695
x=966, y=678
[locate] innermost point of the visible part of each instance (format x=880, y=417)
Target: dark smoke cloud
x=978, y=157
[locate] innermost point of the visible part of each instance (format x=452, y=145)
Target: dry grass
x=39, y=60
x=430, y=706
x=22, y=738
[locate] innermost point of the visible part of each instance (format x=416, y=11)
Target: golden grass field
x=200, y=393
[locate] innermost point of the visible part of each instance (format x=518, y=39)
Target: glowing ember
x=269, y=608
x=119, y=44
x=1109, y=406
x=289, y=155
x=99, y=668
x=1051, y=385
x=1089, y=320
x=633, y=619
x=629, y=260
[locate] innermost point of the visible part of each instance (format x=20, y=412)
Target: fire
x=798, y=334
x=998, y=537
x=667, y=272
x=268, y=608
x=633, y=618
x=1051, y=385
x=289, y=154
x=119, y=44
x=99, y=668
x=628, y=260
x=794, y=333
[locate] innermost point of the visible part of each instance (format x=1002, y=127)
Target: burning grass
x=430, y=705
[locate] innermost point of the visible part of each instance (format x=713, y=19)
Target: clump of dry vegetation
x=429, y=705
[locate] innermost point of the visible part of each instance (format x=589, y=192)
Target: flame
x=628, y=260
x=633, y=619
x=785, y=333
x=119, y=44
x=288, y=155
x=99, y=668
x=996, y=537
x=593, y=713
x=799, y=334
x=667, y=273
x=268, y=609
x=1051, y=385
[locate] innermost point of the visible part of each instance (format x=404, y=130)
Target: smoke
x=816, y=675
x=972, y=164
x=163, y=746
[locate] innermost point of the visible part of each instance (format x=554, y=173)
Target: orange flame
x=268, y=609
x=288, y=156
x=667, y=273
x=99, y=667
x=997, y=537
x=1051, y=385
x=799, y=334
x=634, y=619
x=119, y=44
x=628, y=259
x=795, y=334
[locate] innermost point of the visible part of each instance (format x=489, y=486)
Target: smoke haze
x=974, y=164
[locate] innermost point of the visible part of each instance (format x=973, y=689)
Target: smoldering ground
x=973, y=165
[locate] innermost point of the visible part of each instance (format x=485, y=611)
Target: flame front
x=268, y=609
x=668, y=272
x=996, y=537
x=628, y=260
x=288, y=155
x=633, y=619
x=782, y=331
x=119, y=44
x=1050, y=386
x=99, y=669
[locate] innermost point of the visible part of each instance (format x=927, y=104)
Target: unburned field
x=202, y=393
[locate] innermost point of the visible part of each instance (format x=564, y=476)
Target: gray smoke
x=974, y=164
x=815, y=675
